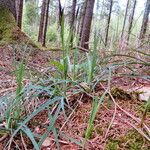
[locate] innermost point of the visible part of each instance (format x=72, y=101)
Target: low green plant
x=92, y=57
x=14, y=114
x=95, y=107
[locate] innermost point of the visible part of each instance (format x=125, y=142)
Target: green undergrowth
x=131, y=141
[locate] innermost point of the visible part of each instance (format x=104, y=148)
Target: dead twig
x=23, y=142
x=3, y=137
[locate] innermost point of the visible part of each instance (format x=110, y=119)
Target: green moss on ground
x=121, y=94
x=132, y=141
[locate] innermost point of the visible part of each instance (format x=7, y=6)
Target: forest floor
x=121, y=114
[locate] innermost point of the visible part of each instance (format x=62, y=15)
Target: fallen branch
x=3, y=137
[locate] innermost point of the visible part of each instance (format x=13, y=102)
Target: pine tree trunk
x=108, y=22
x=72, y=21
x=46, y=22
x=131, y=21
x=82, y=19
x=145, y=20
x=87, y=24
x=43, y=22
x=41, y=27
x=61, y=11
x=19, y=13
x=124, y=22
x=73, y=12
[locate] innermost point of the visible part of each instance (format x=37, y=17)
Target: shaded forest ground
x=121, y=134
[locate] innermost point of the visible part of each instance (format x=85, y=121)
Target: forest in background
x=112, y=20
x=74, y=74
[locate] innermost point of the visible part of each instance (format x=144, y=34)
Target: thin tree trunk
x=79, y=17
x=82, y=19
x=108, y=22
x=125, y=17
x=61, y=11
x=19, y=13
x=87, y=24
x=131, y=21
x=41, y=27
x=72, y=21
x=73, y=12
x=145, y=20
x=45, y=24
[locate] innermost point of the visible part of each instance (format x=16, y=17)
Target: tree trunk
x=108, y=22
x=10, y=5
x=125, y=17
x=131, y=21
x=145, y=20
x=72, y=21
x=61, y=12
x=43, y=22
x=87, y=24
x=82, y=15
x=73, y=12
x=19, y=13
x=46, y=22
x=41, y=27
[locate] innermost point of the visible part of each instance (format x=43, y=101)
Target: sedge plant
x=14, y=113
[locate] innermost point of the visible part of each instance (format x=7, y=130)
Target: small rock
x=144, y=93
x=47, y=142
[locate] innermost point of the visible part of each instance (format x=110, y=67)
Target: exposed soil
x=117, y=137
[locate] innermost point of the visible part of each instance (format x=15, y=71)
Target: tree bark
x=41, y=27
x=61, y=11
x=145, y=20
x=131, y=20
x=19, y=13
x=108, y=22
x=82, y=15
x=10, y=5
x=87, y=24
x=45, y=24
x=72, y=21
x=125, y=17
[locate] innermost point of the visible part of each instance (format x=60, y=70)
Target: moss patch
x=132, y=141
x=121, y=94
x=10, y=33
x=7, y=24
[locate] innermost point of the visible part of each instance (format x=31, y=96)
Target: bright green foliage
x=31, y=13
x=52, y=33
x=15, y=113
x=131, y=141
x=96, y=104
x=31, y=19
